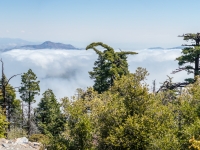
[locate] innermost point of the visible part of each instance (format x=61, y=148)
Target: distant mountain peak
x=49, y=45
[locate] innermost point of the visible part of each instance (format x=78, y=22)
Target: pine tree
x=190, y=56
x=7, y=93
x=109, y=66
x=28, y=90
x=48, y=115
x=10, y=100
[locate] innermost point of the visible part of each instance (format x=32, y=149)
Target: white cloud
x=159, y=64
x=65, y=70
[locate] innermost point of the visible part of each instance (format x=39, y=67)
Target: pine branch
x=171, y=86
x=177, y=70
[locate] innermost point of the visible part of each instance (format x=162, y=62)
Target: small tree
x=48, y=115
x=10, y=97
x=29, y=88
x=79, y=128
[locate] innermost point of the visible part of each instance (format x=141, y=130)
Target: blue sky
x=129, y=24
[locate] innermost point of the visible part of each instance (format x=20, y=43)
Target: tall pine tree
x=28, y=90
x=189, y=61
x=109, y=66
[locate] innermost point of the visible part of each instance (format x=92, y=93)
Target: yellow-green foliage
x=79, y=126
x=3, y=124
x=195, y=144
x=39, y=138
x=58, y=143
x=132, y=118
x=128, y=116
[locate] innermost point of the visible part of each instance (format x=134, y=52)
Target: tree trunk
x=22, y=118
x=154, y=86
x=29, y=115
x=9, y=113
x=4, y=96
x=4, y=99
x=196, y=69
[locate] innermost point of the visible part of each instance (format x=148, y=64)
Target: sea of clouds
x=64, y=71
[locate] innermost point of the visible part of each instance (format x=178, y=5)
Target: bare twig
x=11, y=78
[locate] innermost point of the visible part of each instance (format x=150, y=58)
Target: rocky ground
x=18, y=144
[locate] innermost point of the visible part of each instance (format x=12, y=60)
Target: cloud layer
x=64, y=71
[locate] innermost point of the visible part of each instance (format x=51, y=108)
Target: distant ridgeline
x=45, y=45
x=49, y=45
x=161, y=48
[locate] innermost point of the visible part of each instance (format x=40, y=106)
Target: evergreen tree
x=48, y=115
x=28, y=90
x=11, y=105
x=109, y=66
x=189, y=61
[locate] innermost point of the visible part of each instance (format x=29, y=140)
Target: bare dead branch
x=11, y=78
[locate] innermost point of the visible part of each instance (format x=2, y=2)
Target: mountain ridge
x=49, y=45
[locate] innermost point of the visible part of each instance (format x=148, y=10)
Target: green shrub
x=40, y=138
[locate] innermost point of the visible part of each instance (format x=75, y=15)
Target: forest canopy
x=119, y=112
